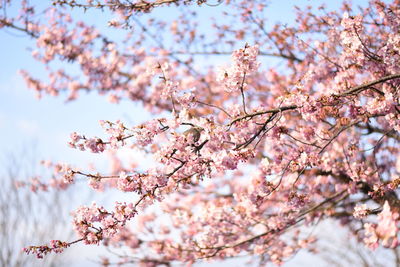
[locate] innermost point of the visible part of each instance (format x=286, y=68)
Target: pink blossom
x=244, y=64
x=360, y=211
x=387, y=228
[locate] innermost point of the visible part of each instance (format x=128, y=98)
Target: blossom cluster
x=55, y=246
x=244, y=65
x=386, y=230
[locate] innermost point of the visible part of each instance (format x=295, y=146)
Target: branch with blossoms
x=139, y=6
x=117, y=130
x=85, y=218
x=280, y=230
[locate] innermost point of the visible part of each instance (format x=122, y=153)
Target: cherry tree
x=300, y=124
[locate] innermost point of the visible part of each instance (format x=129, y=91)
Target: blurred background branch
x=27, y=217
